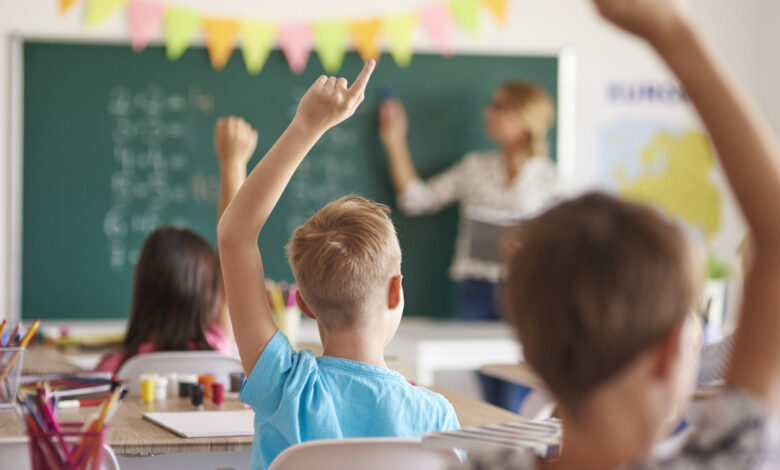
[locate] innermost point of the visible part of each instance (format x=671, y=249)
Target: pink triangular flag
x=143, y=17
x=295, y=41
x=437, y=22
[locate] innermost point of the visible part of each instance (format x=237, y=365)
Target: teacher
x=516, y=180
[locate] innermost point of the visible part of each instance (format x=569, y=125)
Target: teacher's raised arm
x=514, y=180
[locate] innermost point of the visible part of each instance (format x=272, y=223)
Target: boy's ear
x=668, y=351
x=302, y=305
x=394, y=292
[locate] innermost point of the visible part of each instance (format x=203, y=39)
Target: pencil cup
x=68, y=449
x=10, y=371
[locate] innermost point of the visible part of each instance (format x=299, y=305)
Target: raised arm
x=393, y=127
x=235, y=142
x=748, y=151
x=327, y=103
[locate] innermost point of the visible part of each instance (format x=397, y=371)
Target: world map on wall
x=672, y=169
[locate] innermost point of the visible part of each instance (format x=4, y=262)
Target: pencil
x=22, y=345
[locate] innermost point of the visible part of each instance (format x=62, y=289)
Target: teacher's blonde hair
x=535, y=108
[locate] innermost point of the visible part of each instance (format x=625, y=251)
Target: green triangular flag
x=466, y=14
x=180, y=28
x=330, y=41
x=257, y=40
x=98, y=10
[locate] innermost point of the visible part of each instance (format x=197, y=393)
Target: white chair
x=381, y=453
x=15, y=454
x=537, y=405
x=195, y=362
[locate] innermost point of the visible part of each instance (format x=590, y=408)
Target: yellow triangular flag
x=220, y=40
x=65, y=5
x=330, y=41
x=180, y=27
x=257, y=40
x=399, y=30
x=500, y=9
x=98, y=10
x=365, y=35
x=466, y=14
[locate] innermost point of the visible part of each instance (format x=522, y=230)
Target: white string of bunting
x=328, y=37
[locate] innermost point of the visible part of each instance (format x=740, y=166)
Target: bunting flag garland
x=257, y=40
x=99, y=10
x=65, y=5
x=295, y=43
x=143, y=17
x=330, y=37
x=365, y=35
x=437, y=22
x=466, y=14
x=180, y=27
x=500, y=9
x=330, y=41
x=399, y=30
x=220, y=40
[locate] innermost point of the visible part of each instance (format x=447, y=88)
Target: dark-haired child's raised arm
x=749, y=153
x=328, y=102
x=235, y=142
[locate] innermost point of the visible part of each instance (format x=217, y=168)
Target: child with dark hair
x=178, y=302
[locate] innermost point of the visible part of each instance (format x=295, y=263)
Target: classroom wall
x=744, y=32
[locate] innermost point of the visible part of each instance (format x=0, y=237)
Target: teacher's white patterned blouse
x=479, y=183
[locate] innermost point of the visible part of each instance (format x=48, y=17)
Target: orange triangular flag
x=499, y=8
x=365, y=35
x=65, y=4
x=220, y=39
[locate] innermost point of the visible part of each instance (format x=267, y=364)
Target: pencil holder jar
x=10, y=372
x=67, y=449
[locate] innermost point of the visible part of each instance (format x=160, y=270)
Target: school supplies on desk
x=543, y=437
x=85, y=389
x=286, y=314
x=10, y=382
x=11, y=364
x=64, y=446
x=205, y=423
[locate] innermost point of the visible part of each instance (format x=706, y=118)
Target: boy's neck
x=353, y=346
x=608, y=435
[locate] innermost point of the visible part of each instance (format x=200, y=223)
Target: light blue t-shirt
x=297, y=397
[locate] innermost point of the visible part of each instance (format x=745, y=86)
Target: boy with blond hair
x=347, y=263
x=601, y=293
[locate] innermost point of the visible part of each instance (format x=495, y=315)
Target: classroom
x=203, y=201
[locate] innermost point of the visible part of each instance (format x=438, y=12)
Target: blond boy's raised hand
x=235, y=141
x=329, y=101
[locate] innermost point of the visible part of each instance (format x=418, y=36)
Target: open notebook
x=205, y=423
x=542, y=437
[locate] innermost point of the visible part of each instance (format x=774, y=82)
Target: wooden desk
x=46, y=360
x=518, y=373
x=131, y=435
x=472, y=412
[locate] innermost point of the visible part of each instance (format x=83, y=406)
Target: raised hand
x=393, y=123
x=658, y=21
x=329, y=102
x=234, y=141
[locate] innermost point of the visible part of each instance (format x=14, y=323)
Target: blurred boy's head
x=347, y=262
x=598, y=286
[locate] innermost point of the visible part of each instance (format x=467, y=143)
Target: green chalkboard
x=117, y=143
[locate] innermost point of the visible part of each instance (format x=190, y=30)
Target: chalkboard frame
x=565, y=114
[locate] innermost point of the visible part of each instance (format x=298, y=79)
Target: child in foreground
x=601, y=293
x=177, y=301
x=347, y=262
